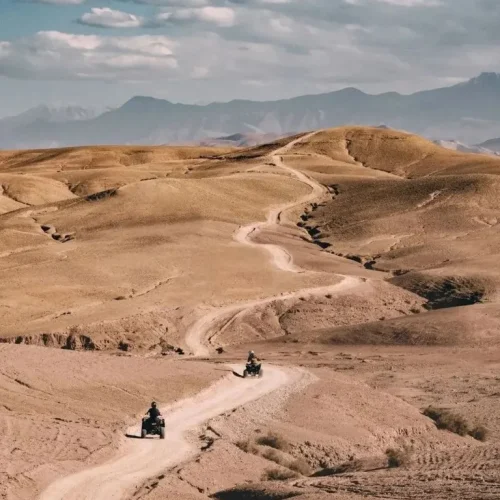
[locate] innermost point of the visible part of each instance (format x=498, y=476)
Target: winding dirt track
x=281, y=258
x=139, y=459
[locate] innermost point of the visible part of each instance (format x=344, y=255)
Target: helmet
x=153, y=404
x=251, y=352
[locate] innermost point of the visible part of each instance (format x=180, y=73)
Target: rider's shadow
x=132, y=436
x=236, y=374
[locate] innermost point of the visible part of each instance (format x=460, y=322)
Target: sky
x=99, y=53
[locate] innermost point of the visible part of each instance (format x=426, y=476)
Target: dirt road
x=199, y=334
x=141, y=459
x=280, y=257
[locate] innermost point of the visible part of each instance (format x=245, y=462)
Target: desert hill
x=401, y=209
x=360, y=263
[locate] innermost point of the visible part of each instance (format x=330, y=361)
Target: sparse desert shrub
x=274, y=456
x=350, y=466
x=301, y=466
x=398, y=457
x=455, y=423
x=447, y=420
x=279, y=475
x=247, y=446
x=479, y=432
x=274, y=441
x=297, y=465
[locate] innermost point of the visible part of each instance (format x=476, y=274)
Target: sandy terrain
x=61, y=410
x=359, y=263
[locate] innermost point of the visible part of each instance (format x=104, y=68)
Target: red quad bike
x=157, y=427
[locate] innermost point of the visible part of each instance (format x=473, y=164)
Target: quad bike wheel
x=260, y=373
x=143, y=433
x=162, y=432
x=245, y=374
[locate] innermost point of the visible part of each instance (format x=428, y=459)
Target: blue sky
x=20, y=18
x=101, y=52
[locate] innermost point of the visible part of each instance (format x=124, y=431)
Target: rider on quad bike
x=153, y=413
x=154, y=424
x=252, y=358
x=253, y=366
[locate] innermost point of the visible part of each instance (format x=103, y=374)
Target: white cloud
x=413, y=3
x=286, y=46
x=172, y=3
x=400, y=3
x=219, y=16
x=109, y=18
x=52, y=55
x=281, y=25
x=57, y=2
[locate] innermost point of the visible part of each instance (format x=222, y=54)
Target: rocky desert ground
x=361, y=264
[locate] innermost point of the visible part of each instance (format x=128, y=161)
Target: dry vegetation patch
x=279, y=475
x=274, y=441
x=447, y=420
x=247, y=446
x=276, y=449
x=398, y=457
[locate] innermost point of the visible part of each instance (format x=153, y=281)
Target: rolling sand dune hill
x=30, y=190
x=394, y=152
x=361, y=263
x=148, y=242
x=79, y=158
x=432, y=224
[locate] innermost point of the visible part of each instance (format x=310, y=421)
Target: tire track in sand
x=139, y=459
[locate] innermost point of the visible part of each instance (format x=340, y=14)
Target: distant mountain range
x=469, y=112
x=464, y=148
x=241, y=140
x=492, y=144
x=38, y=118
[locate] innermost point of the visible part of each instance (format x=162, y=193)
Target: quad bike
x=253, y=370
x=157, y=427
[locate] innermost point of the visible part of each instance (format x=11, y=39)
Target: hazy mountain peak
x=485, y=79
x=492, y=144
x=49, y=114
x=464, y=148
x=352, y=91
x=145, y=100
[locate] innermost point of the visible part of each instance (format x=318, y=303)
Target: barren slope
x=324, y=250
x=424, y=217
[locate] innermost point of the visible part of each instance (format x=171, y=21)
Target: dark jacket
x=153, y=413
